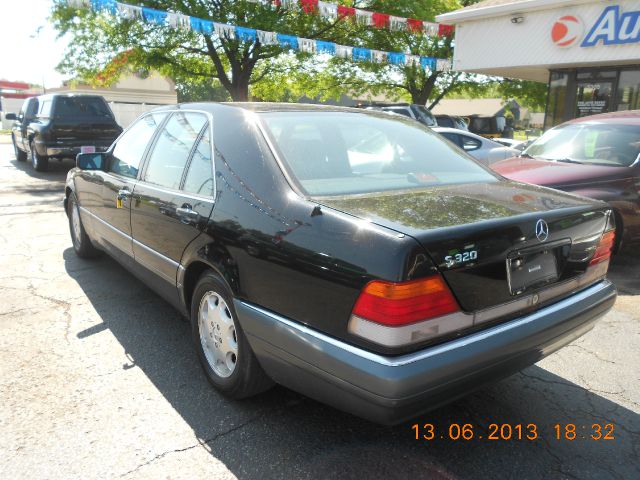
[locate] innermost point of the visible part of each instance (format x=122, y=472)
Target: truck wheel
x=20, y=155
x=81, y=242
x=222, y=347
x=40, y=162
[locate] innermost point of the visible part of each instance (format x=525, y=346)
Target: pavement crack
x=202, y=443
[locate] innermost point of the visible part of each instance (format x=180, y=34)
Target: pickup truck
x=58, y=125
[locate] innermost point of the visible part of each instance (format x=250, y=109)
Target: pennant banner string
x=252, y=35
x=333, y=11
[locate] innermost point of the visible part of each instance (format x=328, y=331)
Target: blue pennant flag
x=202, y=26
x=396, y=58
x=154, y=16
x=325, y=47
x=246, y=34
x=428, y=62
x=288, y=41
x=107, y=5
x=361, y=54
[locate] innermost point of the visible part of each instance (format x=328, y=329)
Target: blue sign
x=614, y=28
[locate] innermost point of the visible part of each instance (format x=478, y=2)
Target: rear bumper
x=72, y=151
x=388, y=389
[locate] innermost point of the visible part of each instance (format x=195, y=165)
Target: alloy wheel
x=218, y=334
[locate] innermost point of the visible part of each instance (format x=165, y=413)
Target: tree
x=100, y=40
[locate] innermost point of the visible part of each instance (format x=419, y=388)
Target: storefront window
x=629, y=90
x=557, y=99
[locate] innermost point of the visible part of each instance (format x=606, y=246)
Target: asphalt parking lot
x=98, y=379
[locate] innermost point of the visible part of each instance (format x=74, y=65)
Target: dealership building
x=588, y=51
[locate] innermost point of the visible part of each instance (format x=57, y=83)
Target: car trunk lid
x=492, y=242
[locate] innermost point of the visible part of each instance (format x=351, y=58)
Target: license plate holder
x=531, y=269
x=88, y=149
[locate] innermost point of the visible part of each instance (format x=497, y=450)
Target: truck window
x=67, y=107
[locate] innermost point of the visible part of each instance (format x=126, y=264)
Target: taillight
x=402, y=303
x=396, y=314
x=604, y=249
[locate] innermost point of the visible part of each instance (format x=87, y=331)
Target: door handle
x=187, y=214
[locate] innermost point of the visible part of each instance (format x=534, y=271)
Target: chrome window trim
x=145, y=162
x=438, y=349
x=180, y=193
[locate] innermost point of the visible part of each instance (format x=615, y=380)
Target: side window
x=45, y=109
x=171, y=151
x=469, y=144
x=452, y=137
x=32, y=108
x=128, y=152
x=199, y=179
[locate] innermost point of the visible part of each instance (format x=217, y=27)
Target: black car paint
x=61, y=137
x=265, y=241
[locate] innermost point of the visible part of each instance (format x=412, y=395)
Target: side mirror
x=91, y=161
x=10, y=116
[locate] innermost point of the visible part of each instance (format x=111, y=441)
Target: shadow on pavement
x=281, y=434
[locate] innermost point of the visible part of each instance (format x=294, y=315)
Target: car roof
x=50, y=96
x=262, y=107
x=625, y=117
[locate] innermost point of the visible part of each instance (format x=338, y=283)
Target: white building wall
x=496, y=45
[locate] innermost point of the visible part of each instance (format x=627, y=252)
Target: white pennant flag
x=364, y=17
x=79, y=3
x=379, y=56
x=397, y=23
x=306, y=45
x=178, y=20
x=288, y=4
x=130, y=12
x=224, y=31
x=412, y=60
x=443, y=65
x=267, y=38
x=431, y=28
x=343, y=51
x=327, y=10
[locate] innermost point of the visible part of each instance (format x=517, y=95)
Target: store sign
x=612, y=28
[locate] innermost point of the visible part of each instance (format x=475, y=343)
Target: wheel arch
x=188, y=276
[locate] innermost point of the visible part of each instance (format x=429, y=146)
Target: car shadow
x=625, y=273
x=281, y=434
x=57, y=170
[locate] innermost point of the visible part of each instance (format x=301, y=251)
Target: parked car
x=451, y=121
x=417, y=112
x=597, y=157
x=482, y=149
x=57, y=126
x=350, y=255
x=519, y=145
x=488, y=126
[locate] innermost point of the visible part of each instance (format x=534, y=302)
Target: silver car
x=482, y=149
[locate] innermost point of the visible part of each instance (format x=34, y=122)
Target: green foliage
x=532, y=95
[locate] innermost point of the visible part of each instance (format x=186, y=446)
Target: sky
x=30, y=50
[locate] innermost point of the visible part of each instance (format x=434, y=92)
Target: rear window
x=69, y=107
x=336, y=153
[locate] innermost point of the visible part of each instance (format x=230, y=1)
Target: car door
x=174, y=198
x=27, y=115
x=116, y=185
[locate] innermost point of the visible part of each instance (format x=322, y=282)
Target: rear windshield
x=69, y=107
x=338, y=153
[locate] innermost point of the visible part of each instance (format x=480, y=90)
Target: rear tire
x=81, y=242
x=40, y=162
x=20, y=155
x=222, y=347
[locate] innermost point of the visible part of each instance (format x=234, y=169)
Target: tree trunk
x=239, y=91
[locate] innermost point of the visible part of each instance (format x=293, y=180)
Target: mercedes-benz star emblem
x=542, y=230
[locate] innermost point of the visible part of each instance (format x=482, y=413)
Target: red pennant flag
x=414, y=25
x=346, y=11
x=309, y=6
x=445, y=30
x=380, y=20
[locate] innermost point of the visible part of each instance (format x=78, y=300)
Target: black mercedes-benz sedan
x=353, y=256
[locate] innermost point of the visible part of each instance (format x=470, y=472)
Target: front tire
x=40, y=162
x=81, y=242
x=20, y=155
x=222, y=347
